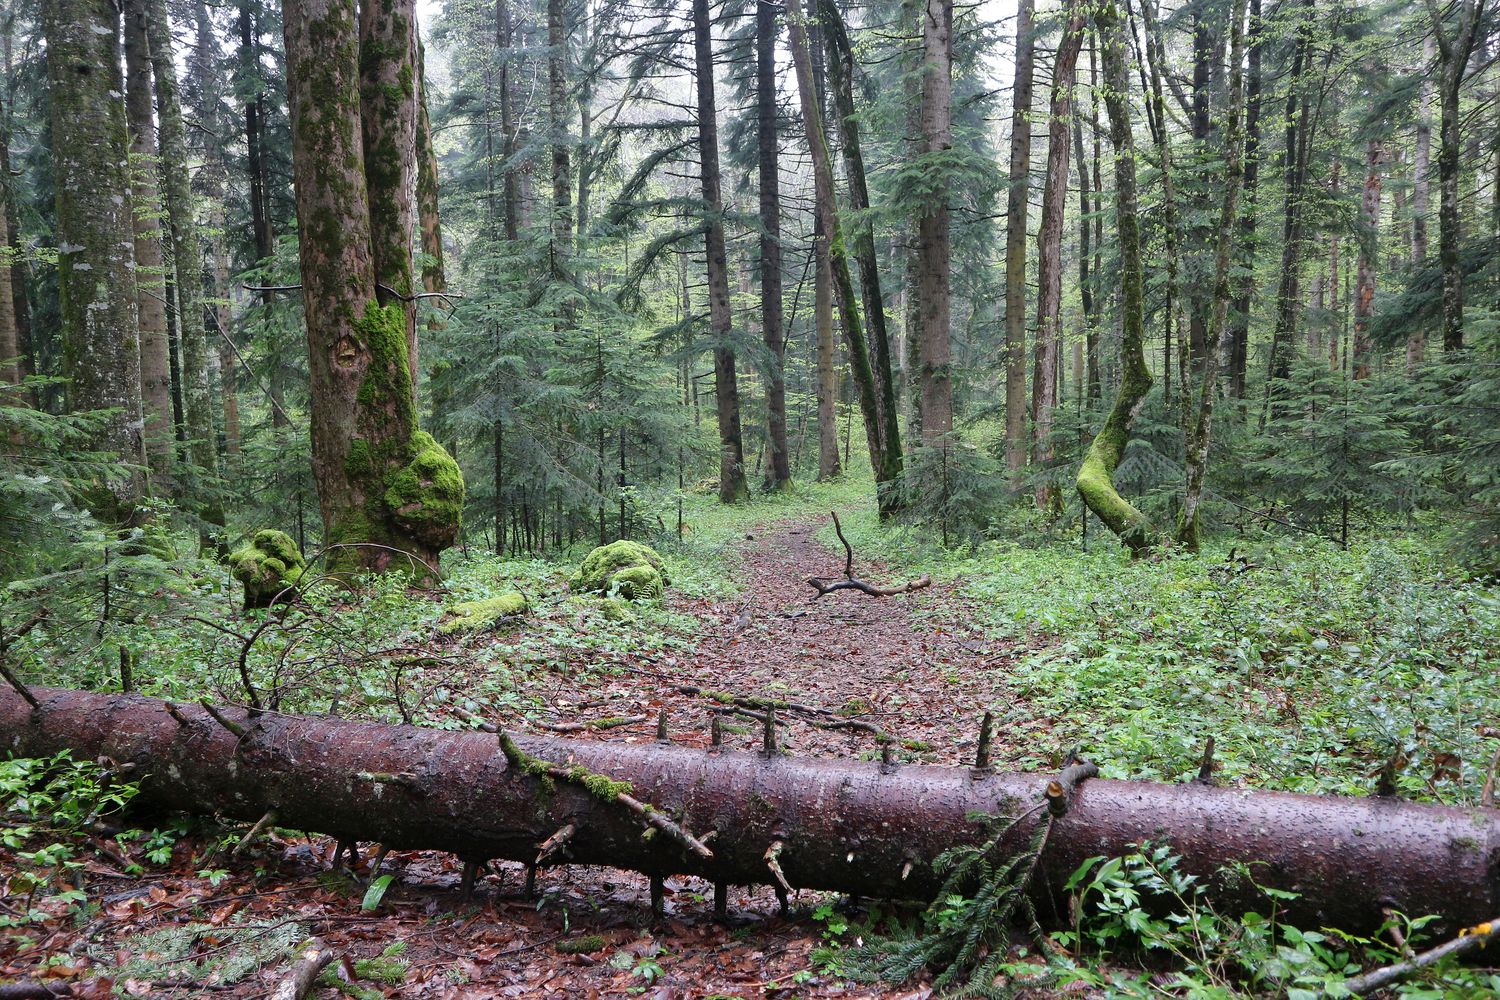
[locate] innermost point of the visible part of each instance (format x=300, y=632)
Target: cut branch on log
x=828, y=584
x=1345, y=857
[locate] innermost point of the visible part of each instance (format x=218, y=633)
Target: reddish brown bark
x=845, y=825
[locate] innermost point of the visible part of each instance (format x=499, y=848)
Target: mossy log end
x=845, y=826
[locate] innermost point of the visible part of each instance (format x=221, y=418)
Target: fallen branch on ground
x=828, y=584
x=845, y=826
x=314, y=958
x=1467, y=940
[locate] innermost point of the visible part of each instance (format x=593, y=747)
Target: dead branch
x=828, y=584
x=316, y=956
x=1468, y=939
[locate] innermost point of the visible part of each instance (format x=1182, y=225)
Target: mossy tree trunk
x=1096, y=474
x=1200, y=431
x=187, y=253
x=95, y=234
x=150, y=260
x=388, y=491
x=732, y=485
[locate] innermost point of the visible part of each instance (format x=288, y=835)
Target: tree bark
x=558, y=117
x=1049, y=246
x=428, y=218
x=150, y=261
x=1369, y=248
x=1096, y=473
x=732, y=484
x=390, y=495
x=1421, y=196
x=14, y=358
x=95, y=234
x=845, y=826
x=187, y=253
x=1200, y=429
x=1454, y=51
x=1017, y=202
x=1189, y=347
x=934, y=379
x=883, y=461
x=841, y=58
x=1239, y=326
x=260, y=216
x=767, y=138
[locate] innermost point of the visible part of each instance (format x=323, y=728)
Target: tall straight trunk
x=510, y=183
x=260, y=216
x=150, y=260
x=1454, y=50
x=1095, y=379
x=841, y=58
x=558, y=116
x=1239, y=326
x=1201, y=429
x=19, y=274
x=1157, y=105
x=1096, y=473
x=187, y=252
x=826, y=207
x=1294, y=179
x=1335, y=244
x=1017, y=201
x=95, y=234
x=1085, y=250
x=203, y=65
x=1049, y=245
x=829, y=464
x=388, y=120
x=1421, y=196
x=15, y=364
x=933, y=242
x=767, y=138
x=1204, y=65
x=428, y=219
x=732, y=485
x=1369, y=249
x=390, y=495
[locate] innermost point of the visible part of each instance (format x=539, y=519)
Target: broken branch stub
x=1345, y=857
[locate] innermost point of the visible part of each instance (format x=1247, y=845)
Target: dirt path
x=908, y=663
x=904, y=663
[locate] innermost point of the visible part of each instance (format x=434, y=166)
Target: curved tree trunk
x=1096, y=474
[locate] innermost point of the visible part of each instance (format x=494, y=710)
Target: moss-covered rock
x=474, y=616
x=629, y=569
x=426, y=495
x=612, y=609
x=268, y=565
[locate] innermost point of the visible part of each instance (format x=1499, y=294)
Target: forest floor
x=207, y=925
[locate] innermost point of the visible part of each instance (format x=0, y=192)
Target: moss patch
x=426, y=495
x=268, y=564
x=629, y=569
x=475, y=616
x=581, y=945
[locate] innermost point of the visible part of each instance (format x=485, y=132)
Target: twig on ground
x=1468, y=939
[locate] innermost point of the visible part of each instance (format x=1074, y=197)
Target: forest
x=749, y=498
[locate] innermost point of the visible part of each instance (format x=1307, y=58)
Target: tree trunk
x=1049, y=246
x=826, y=207
x=558, y=117
x=841, y=58
x=827, y=367
x=150, y=261
x=1096, y=473
x=260, y=218
x=388, y=119
x=510, y=183
x=433, y=278
x=1369, y=249
x=779, y=473
x=1017, y=201
x=1421, y=197
x=1188, y=353
x=390, y=495
x=14, y=360
x=1239, y=326
x=95, y=234
x=845, y=826
x=732, y=485
x=1201, y=428
x=935, y=402
x=187, y=253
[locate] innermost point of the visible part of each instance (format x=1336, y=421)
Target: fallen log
x=845, y=826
